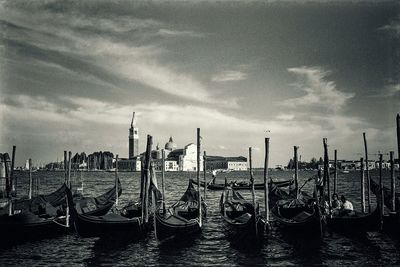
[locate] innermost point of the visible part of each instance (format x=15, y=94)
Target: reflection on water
x=212, y=245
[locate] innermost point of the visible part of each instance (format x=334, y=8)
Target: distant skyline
x=72, y=73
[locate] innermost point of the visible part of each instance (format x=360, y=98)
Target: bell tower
x=133, y=138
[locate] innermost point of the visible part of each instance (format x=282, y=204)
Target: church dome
x=170, y=145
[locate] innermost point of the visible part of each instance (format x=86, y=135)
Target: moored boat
x=390, y=220
x=182, y=219
x=243, y=185
x=295, y=215
x=42, y=216
x=108, y=225
x=242, y=221
x=45, y=215
x=354, y=223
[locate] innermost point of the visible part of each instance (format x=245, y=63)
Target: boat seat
x=114, y=217
x=243, y=218
x=301, y=216
x=174, y=219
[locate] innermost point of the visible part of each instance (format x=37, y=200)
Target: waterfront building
x=100, y=160
x=226, y=163
x=185, y=158
x=385, y=165
x=171, y=166
x=176, y=159
x=237, y=163
x=79, y=161
x=125, y=164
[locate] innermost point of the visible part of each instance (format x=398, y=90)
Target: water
x=211, y=246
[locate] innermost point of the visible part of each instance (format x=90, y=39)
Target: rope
x=62, y=217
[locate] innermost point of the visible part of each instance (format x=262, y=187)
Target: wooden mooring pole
x=326, y=171
x=13, y=179
x=392, y=181
x=296, y=172
x=204, y=174
x=266, y=184
x=116, y=181
x=153, y=200
x=253, y=194
x=147, y=177
x=65, y=167
x=335, y=175
x=6, y=160
x=398, y=136
x=367, y=173
x=69, y=168
x=30, y=179
x=69, y=185
x=381, y=205
x=198, y=175
x=362, y=185
x=162, y=178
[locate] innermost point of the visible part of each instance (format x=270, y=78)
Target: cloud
x=320, y=93
x=229, y=75
x=285, y=117
x=88, y=112
x=23, y=107
x=393, y=27
x=176, y=33
x=72, y=40
x=78, y=110
x=391, y=90
x=73, y=121
x=388, y=91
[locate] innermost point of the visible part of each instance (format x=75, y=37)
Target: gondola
x=276, y=194
x=296, y=215
x=182, y=219
x=35, y=218
x=89, y=205
x=108, y=225
x=55, y=199
x=243, y=185
x=355, y=223
x=240, y=216
x=387, y=195
x=391, y=220
x=96, y=206
x=44, y=215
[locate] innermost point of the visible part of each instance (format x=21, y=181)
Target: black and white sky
x=72, y=73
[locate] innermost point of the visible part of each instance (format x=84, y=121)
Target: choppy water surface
x=211, y=246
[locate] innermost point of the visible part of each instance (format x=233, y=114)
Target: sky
x=72, y=73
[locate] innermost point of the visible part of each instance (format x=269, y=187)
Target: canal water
x=211, y=247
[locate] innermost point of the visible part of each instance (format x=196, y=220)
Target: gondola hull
x=241, y=221
x=260, y=186
x=44, y=215
x=175, y=227
x=182, y=219
x=239, y=232
x=28, y=226
x=357, y=224
x=105, y=226
x=391, y=223
x=309, y=224
x=109, y=225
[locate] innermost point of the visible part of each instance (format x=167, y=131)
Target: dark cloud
x=71, y=69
